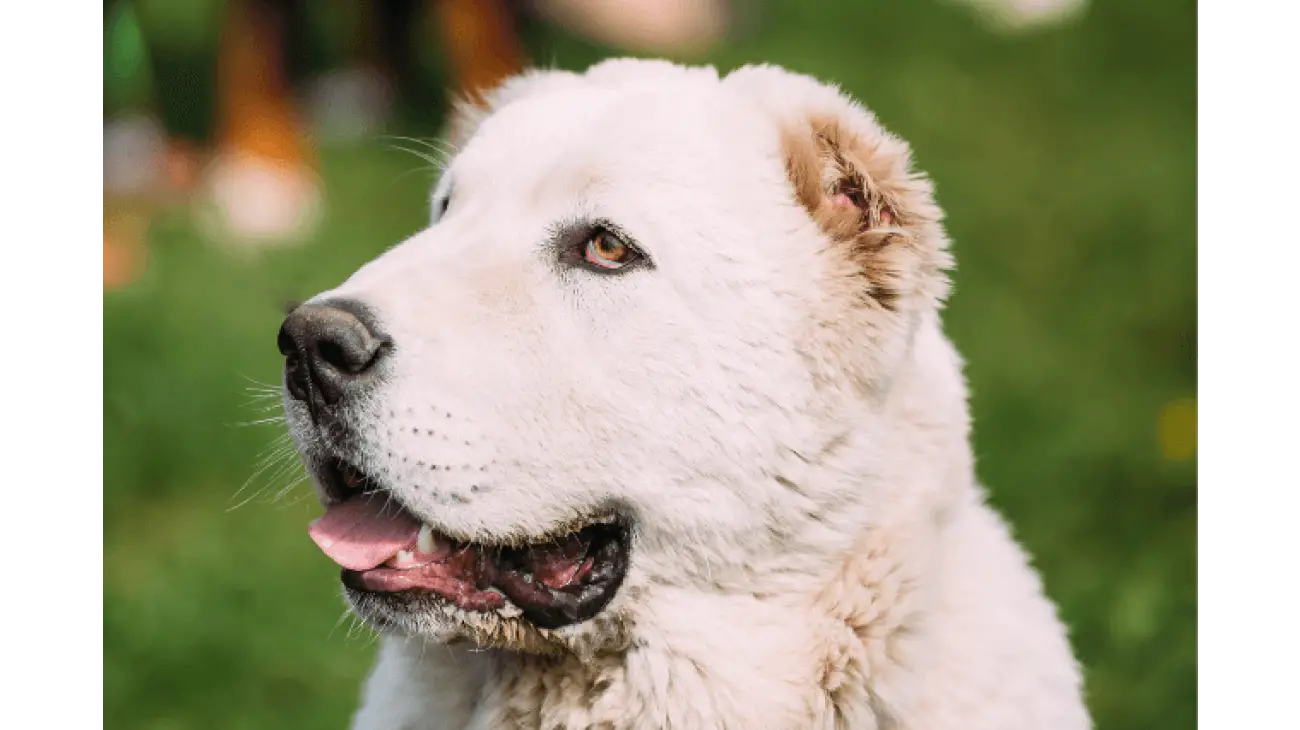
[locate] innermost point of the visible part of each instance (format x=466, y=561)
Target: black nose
x=328, y=350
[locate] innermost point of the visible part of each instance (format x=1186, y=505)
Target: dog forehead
x=576, y=137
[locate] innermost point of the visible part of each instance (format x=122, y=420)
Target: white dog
x=655, y=426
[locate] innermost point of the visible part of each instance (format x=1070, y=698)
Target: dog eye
x=440, y=208
x=607, y=251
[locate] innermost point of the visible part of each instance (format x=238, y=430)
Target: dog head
x=649, y=299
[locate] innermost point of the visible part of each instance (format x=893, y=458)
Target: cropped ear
x=855, y=181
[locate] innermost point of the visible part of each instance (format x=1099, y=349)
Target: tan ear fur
x=859, y=191
x=856, y=182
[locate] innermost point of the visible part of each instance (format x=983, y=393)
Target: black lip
x=610, y=548
x=544, y=609
x=569, y=606
x=335, y=476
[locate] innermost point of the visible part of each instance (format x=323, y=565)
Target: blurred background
x=257, y=152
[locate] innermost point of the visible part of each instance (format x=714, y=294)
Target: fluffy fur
x=773, y=402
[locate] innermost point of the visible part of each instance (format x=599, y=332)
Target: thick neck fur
x=807, y=651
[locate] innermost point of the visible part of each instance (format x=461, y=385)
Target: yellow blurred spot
x=124, y=249
x=1176, y=429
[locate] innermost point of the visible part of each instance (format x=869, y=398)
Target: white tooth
x=405, y=556
x=425, y=542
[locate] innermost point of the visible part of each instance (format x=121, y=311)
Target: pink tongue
x=364, y=532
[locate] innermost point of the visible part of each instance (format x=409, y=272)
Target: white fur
x=811, y=547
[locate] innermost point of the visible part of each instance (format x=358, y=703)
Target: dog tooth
x=405, y=556
x=425, y=542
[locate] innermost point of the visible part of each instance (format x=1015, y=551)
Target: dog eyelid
x=574, y=238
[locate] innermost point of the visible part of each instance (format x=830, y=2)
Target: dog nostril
x=295, y=378
x=347, y=360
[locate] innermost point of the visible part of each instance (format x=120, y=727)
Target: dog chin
x=428, y=618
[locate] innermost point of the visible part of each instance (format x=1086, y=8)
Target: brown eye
x=606, y=250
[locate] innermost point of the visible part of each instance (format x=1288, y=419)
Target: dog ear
x=855, y=181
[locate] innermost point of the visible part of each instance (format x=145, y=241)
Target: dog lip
x=552, y=585
x=561, y=577
x=342, y=480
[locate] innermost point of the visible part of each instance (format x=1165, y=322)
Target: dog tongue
x=364, y=532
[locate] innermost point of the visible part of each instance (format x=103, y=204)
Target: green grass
x=1066, y=162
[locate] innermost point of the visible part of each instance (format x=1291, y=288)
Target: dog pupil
x=606, y=250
